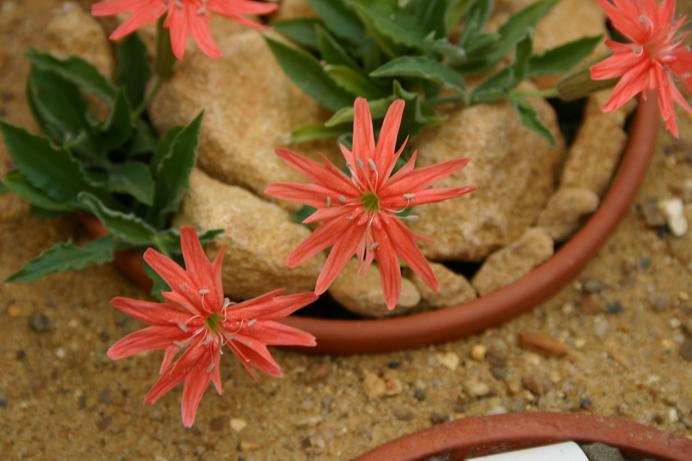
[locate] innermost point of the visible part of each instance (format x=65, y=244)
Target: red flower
x=196, y=321
x=359, y=213
x=185, y=18
x=656, y=53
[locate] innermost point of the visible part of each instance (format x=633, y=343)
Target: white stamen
x=638, y=51
x=204, y=291
x=409, y=196
x=179, y=344
x=349, y=218
x=211, y=367
x=644, y=19
x=412, y=217
x=202, y=11
x=360, y=163
x=227, y=302
x=341, y=198
x=183, y=327
x=374, y=246
x=329, y=202
x=372, y=165
x=251, y=323
x=208, y=340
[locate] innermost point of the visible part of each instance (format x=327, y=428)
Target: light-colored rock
x=258, y=237
x=73, y=31
x=681, y=247
x=362, y=293
x=596, y=150
x=12, y=208
x=564, y=212
x=293, y=9
x=673, y=211
x=250, y=109
x=454, y=288
x=512, y=262
x=513, y=168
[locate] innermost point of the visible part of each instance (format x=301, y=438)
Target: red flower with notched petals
x=195, y=322
x=359, y=213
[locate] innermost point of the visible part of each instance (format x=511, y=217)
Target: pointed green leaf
x=117, y=129
x=339, y=19
x=301, y=31
x=394, y=23
x=355, y=82
x=378, y=108
x=495, y=87
x=16, y=183
x=57, y=105
x=562, y=58
x=306, y=72
x=75, y=70
x=316, y=131
x=132, y=178
x=54, y=171
x=174, y=169
x=529, y=117
x=476, y=19
x=425, y=68
x=64, y=257
x=522, y=53
x=133, y=70
x=124, y=226
x=164, y=147
x=331, y=51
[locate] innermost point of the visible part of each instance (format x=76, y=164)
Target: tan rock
x=73, y=31
x=258, y=237
x=512, y=262
x=250, y=109
x=513, y=167
x=564, y=212
x=362, y=293
x=596, y=150
x=293, y=9
x=681, y=246
x=454, y=288
x=12, y=208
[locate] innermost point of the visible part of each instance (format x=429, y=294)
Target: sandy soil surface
x=626, y=324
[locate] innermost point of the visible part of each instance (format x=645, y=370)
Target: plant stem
x=150, y=96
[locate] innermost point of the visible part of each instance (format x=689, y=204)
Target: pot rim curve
x=453, y=322
x=484, y=435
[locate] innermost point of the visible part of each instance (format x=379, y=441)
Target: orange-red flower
x=185, y=18
x=359, y=213
x=195, y=322
x=656, y=53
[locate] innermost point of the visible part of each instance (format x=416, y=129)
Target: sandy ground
x=626, y=324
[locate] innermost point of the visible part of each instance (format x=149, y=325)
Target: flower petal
x=344, y=248
x=196, y=384
x=150, y=312
x=147, y=339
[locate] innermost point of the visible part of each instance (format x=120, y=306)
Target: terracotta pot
x=382, y=335
x=485, y=435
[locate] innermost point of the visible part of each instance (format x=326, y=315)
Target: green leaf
x=144, y=140
x=174, y=169
x=54, y=171
x=522, y=53
x=64, y=257
x=117, y=129
x=431, y=14
x=355, y=82
x=301, y=31
x=425, y=68
x=529, y=117
x=16, y=183
x=124, y=226
x=396, y=24
x=133, y=70
x=164, y=147
x=302, y=214
x=495, y=87
x=315, y=131
x=481, y=42
x=3, y=188
x=306, y=72
x=378, y=108
x=57, y=105
x=339, y=19
x=331, y=51
x=456, y=10
x=75, y=70
x=562, y=58
x=476, y=19
x=132, y=178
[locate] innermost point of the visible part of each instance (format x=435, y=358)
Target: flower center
x=370, y=202
x=212, y=322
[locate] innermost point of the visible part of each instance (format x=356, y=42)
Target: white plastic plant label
x=567, y=451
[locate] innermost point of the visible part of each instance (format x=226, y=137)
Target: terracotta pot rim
x=445, y=324
x=484, y=435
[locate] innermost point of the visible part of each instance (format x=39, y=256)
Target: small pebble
x=373, y=385
x=103, y=423
x=686, y=350
x=497, y=352
x=614, y=308
x=673, y=210
x=542, y=343
x=585, y=403
x=589, y=305
x=392, y=387
x=438, y=418
x=660, y=302
x=20, y=354
x=651, y=213
x=105, y=397
x=394, y=364
x=238, y=424
x=249, y=445
x=478, y=352
x=592, y=286
x=3, y=401
x=419, y=394
x=600, y=327
x=60, y=353
x=14, y=310
x=601, y=452
x=477, y=388
x=309, y=421
x=39, y=322
x=218, y=423
x=449, y=360
x=403, y=413
x=156, y=415
x=537, y=383
x=499, y=373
